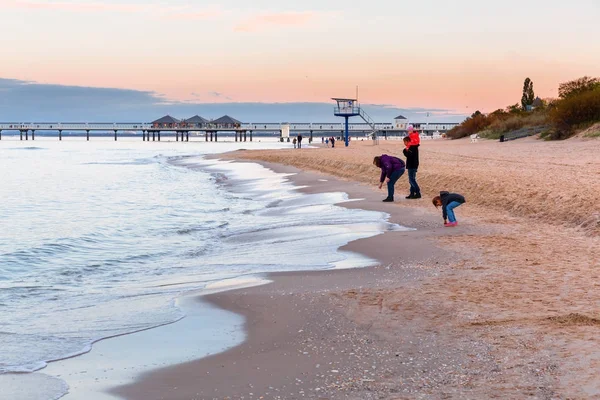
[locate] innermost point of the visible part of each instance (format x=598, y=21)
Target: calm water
x=99, y=238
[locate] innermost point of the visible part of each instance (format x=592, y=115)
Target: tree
x=578, y=86
x=514, y=109
x=528, y=95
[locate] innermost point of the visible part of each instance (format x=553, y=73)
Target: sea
x=100, y=239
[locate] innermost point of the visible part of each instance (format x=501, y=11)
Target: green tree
x=528, y=94
x=578, y=86
x=514, y=109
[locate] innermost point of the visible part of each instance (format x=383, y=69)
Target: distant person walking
x=411, y=152
x=322, y=139
x=332, y=141
x=299, y=141
x=448, y=201
x=294, y=141
x=392, y=168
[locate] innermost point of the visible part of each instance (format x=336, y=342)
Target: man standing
x=299, y=140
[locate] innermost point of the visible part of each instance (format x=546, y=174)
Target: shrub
x=473, y=124
x=578, y=86
x=574, y=111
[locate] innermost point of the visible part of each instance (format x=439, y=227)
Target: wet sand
x=503, y=306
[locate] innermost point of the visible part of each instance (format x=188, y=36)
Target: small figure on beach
x=327, y=142
x=322, y=139
x=294, y=142
x=411, y=152
x=413, y=134
x=332, y=141
x=299, y=141
x=392, y=168
x=448, y=201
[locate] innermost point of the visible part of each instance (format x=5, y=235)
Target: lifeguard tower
x=351, y=108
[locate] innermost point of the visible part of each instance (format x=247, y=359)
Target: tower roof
x=400, y=117
x=167, y=119
x=196, y=119
x=226, y=119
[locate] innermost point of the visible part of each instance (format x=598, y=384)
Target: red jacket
x=415, y=138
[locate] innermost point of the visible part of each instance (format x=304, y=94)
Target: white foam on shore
x=25, y=386
x=205, y=330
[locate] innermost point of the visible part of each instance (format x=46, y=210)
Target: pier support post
x=143, y=136
x=33, y=134
x=153, y=136
x=244, y=136
x=236, y=134
x=205, y=136
x=0, y=134
x=59, y=134
x=346, y=139
x=385, y=134
x=159, y=136
x=187, y=136
x=27, y=134
x=216, y=137
x=310, y=138
x=211, y=136
x=177, y=136
x=87, y=135
x=115, y=136
x=250, y=135
x=21, y=133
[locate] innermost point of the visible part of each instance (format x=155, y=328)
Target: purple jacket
x=390, y=164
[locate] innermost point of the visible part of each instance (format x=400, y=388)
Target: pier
x=209, y=130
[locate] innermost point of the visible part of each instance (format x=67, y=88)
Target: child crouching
x=448, y=201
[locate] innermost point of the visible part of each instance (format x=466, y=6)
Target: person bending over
x=448, y=201
x=392, y=169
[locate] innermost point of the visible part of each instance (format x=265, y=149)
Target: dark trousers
x=412, y=179
x=394, y=176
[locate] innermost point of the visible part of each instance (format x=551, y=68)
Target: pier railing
x=141, y=126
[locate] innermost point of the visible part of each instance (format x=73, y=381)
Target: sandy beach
x=503, y=306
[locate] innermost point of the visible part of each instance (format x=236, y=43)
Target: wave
x=202, y=228
x=26, y=148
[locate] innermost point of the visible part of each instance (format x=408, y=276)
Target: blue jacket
x=390, y=164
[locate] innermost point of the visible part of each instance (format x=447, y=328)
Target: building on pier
x=401, y=123
x=195, y=122
x=225, y=122
x=166, y=122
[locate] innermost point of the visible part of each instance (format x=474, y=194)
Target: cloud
x=73, y=7
x=24, y=101
x=196, y=15
x=158, y=10
x=220, y=95
x=265, y=21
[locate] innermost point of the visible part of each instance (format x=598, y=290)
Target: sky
x=448, y=57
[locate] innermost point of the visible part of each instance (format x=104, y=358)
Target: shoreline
x=300, y=342
x=506, y=311
x=108, y=349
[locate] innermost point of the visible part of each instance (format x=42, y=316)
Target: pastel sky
x=456, y=55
